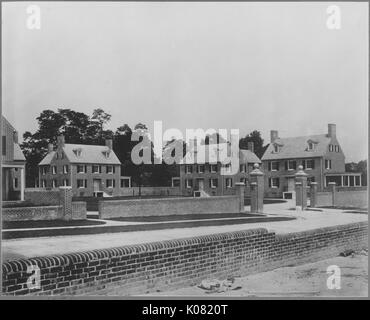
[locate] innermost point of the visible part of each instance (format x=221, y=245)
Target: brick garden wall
x=356, y=199
x=150, y=191
x=176, y=263
x=32, y=213
x=78, y=210
x=168, y=206
x=40, y=196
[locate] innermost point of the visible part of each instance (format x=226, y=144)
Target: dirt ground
x=308, y=280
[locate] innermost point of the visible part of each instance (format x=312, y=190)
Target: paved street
x=31, y=247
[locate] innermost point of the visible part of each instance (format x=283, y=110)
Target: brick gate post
x=257, y=189
x=333, y=189
x=240, y=191
x=66, y=202
x=301, y=189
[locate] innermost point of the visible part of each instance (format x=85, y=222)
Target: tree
x=358, y=167
x=77, y=127
x=256, y=138
x=102, y=118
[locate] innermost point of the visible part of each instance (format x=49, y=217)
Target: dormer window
x=77, y=152
x=276, y=148
x=311, y=145
x=106, y=154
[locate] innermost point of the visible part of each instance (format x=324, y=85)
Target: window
x=213, y=183
x=229, y=182
x=54, y=169
x=81, y=183
x=96, y=169
x=345, y=181
x=110, y=183
x=65, y=168
x=311, y=146
x=309, y=164
x=331, y=147
x=336, y=148
x=44, y=170
x=65, y=182
x=244, y=180
x=43, y=183
x=4, y=145
x=327, y=164
x=62, y=155
x=54, y=183
x=357, y=181
x=110, y=169
x=213, y=168
x=243, y=168
x=81, y=168
x=201, y=168
x=77, y=152
x=274, y=182
x=189, y=183
x=106, y=154
x=291, y=165
x=228, y=167
x=274, y=166
x=276, y=148
x=125, y=183
x=15, y=183
x=310, y=179
x=188, y=168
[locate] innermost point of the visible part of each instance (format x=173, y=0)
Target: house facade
x=320, y=155
x=206, y=176
x=90, y=170
x=12, y=163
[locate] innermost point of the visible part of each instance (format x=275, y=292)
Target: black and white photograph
x=202, y=150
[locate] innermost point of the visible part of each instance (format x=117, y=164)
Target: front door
x=200, y=184
x=291, y=184
x=97, y=184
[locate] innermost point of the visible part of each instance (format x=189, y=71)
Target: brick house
x=12, y=163
x=206, y=175
x=320, y=155
x=89, y=169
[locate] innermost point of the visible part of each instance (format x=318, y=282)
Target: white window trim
x=273, y=186
x=187, y=169
x=289, y=168
x=227, y=184
x=83, y=169
x=187, y=184
x=213, y=171
x=95, y=172
x=83, y=184
x=111, y=186
x=272, y=169
x=306, y=161
x=212, y=185
x=199, y=166
x=65, y=170
x=110, y=172
x=328, y=164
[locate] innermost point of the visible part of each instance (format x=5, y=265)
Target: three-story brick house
x=206, y=175
x=320, y=155
x=89, y=169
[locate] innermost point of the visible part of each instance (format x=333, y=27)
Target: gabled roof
x=18, y=154
x=89, y=154
x=247, y=156
x=214, y=152
x=297, y=147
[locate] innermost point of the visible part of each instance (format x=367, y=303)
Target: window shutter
x=278, y=182
x=313, y=164
x=269, y=166
x=269, y=182
x=304, y=164
x=294, y=165
x=286, y=165
x=277, y=168
x=114, y=169
x=85, y=183
x=85, y=168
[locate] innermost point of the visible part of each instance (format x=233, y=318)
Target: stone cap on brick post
x=256, y=171
x=300, y=173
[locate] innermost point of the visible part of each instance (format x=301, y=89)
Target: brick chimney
x=15, y=136
x=60, y=141
x=50, y=147
x=274, y=134
x=109, y=143
x=332, y=130
x=251, y=146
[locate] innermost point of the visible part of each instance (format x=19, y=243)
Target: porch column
x=23, y=183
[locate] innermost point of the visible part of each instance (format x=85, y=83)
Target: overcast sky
x=193, y=65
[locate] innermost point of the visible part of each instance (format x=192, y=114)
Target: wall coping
x=33, y=207
x=78, y=257
x=170, y=199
